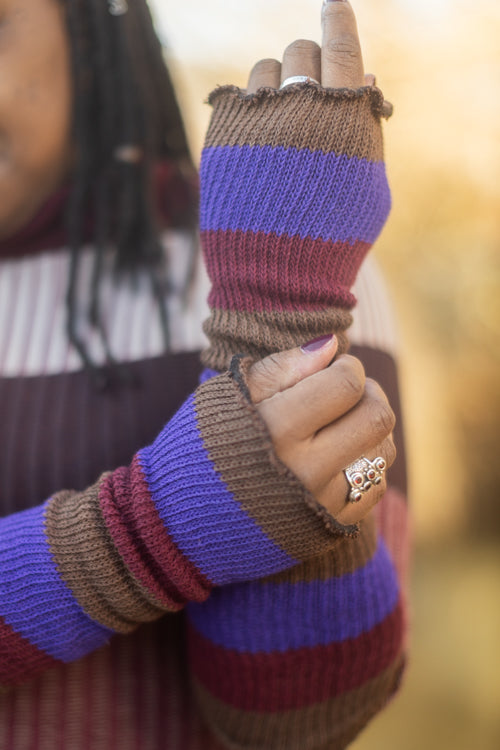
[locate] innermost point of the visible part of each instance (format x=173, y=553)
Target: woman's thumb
x=282, y=370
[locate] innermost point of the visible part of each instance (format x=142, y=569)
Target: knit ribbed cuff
x=229, y=504
x=345, y=121
x=261, y=334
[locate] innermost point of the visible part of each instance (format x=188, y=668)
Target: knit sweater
x=294, y=627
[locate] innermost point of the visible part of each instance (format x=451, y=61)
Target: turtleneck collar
x=45, y=230
x=175, y=191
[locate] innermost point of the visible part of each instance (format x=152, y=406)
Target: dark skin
x=35, y=108
x=337, y=63
x=320, y=418
x=323, y=418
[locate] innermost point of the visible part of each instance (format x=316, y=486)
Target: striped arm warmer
x=303, y=659
x=208, y=503
x=293, y=194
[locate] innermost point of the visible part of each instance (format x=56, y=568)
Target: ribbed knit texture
x=293, y=194
x=208, y=503
x=295, y=627
x=134, y=692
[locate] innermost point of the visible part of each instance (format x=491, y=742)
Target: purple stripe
x=200, y=513
x=276, y=617
x=34, y=600
x=293, y=192
x=208, y=374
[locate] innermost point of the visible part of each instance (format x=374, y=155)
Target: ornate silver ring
x=363, y=474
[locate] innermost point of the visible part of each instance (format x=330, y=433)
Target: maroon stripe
x=280, y=272
x=19, y=659
x=143, y=542
x=295, y=679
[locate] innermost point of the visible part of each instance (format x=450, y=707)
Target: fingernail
x=333, y=1
x=316, y=344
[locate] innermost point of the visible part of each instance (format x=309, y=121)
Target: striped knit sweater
x=294, y=628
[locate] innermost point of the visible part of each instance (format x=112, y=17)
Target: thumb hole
x=282, y=370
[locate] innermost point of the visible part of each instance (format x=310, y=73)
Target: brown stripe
x=238, y=443
x=262, y=333
x=89, y=563
x=338, y=121
x=382, y=367
x=349, y=555
x=331, y=724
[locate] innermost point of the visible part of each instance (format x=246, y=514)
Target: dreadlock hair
x=125, y=118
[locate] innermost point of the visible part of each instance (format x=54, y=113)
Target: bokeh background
x=439, y=62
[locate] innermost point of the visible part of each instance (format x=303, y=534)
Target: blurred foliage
x=450, y=695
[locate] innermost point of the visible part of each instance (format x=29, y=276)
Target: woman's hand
x=322, y=418
x=337, y=64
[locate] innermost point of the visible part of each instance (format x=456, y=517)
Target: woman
x=246, y=480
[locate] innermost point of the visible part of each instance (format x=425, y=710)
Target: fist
x=323, y=414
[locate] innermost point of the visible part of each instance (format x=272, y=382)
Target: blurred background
x=439, y=62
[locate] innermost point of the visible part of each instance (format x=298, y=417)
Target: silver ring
x=298, y=79
x=363, y=474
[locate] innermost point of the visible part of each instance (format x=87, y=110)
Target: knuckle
x=352, y=362
x=375, y=391
x=261, y=377
x=353, y=377
x=382, y=419
x=343, y=50
x=352, y=387
x=268, y=368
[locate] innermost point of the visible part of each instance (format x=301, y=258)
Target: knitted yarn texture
x=294, y=625
x=208, y=503
x=293, y=194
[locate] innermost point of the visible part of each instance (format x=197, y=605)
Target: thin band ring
x=298, y=79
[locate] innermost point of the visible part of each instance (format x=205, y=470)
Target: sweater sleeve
x=196, y=509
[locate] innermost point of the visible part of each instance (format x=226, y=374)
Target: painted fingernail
x=333, y=1
x=316, y=344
